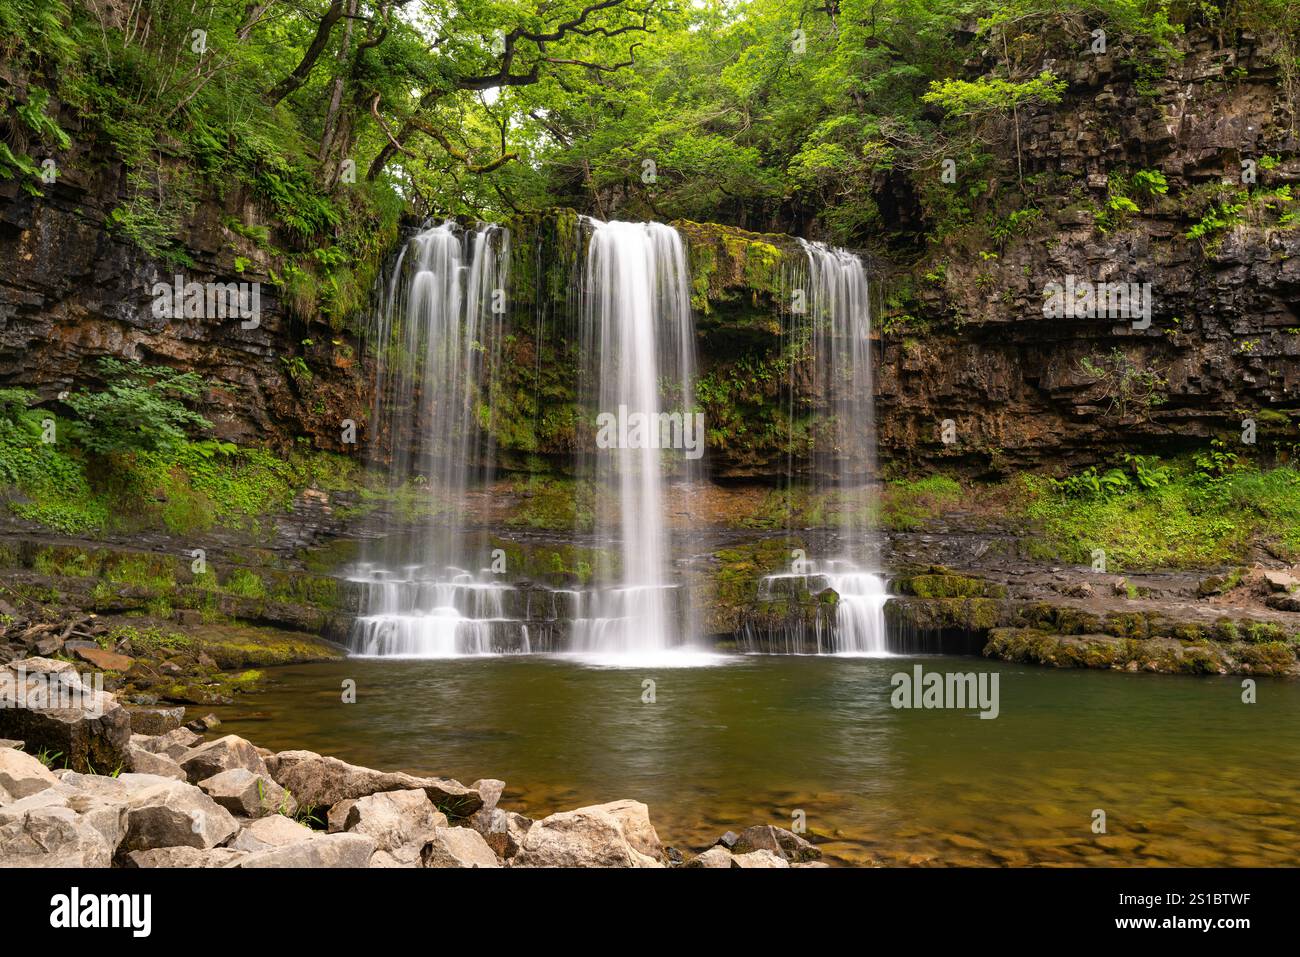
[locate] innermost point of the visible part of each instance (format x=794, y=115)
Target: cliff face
x=967, y=339
x=72, y=289
x=960, y=333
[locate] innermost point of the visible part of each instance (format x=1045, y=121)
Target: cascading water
x=638, y=335
x=830, y=322
x=438, y=332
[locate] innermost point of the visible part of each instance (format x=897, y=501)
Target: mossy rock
x=949, y=585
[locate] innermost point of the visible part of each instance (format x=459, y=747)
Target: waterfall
x=639, y=339
x=829, y=322
x=438, y=333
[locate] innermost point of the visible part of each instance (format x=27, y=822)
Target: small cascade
x=444, y=617
x=438, y=331
x=831, y=330
x=853, y=625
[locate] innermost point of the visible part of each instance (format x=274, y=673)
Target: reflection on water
x=1186, y=773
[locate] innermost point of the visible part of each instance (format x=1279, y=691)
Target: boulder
x=319, y=781
x=21, y=775
x=715, y=856
x=209, y=722
x=337, y=817
x=174, y=814
x=241, y=791
x=174, y=744
x=156, y=721
x=146, y=762
x=503, y=830
x=220, y=755
x=785, y=844
x=760, y=858
x=321, y=850
x=91, y=733
x=183, y=857
x=50, y=836
x=274, y=830
x=1279, y=580
x=457, y=847
x=618, y=834
x=399, y=822
x=11, y=743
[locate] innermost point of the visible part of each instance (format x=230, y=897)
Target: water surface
x=1185, y=772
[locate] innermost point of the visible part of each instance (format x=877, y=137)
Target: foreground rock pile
x=172, y=799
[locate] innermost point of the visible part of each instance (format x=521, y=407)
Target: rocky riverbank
x=174, y=797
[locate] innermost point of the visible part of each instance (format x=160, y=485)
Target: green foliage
x=142, y=409
x=1167, y=514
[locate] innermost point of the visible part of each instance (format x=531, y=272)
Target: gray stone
x=503, y=830
x=220, y=755
x=146, y=762
x=759, y=858
x=399, y=822
x=320, y=781
x=241, y=791
x=50, y=836
x=174, y=744
x=716, y=856
x=618, y=834
x=155, y=721
x=21, y=775
x=265, y=833
x=172, y=814
x=92, y=734
x=183, y=857
x=322, y=850
x=457, y=847
x=778, y=840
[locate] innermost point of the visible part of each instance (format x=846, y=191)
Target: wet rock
x=93, y=733
x=274, y=830
x=183, y=857
x=207, y=723
x=320, y=850
x=457, y=847
x=618, y=834
x=155, y=721
x=21, y=775
x=319, y=781
x=759, y=858
x=241, y=791
x=220, y=755
x=728, y=840
x=778, y=840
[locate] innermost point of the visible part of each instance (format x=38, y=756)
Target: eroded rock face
x=618, y=834
x=316, y=780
